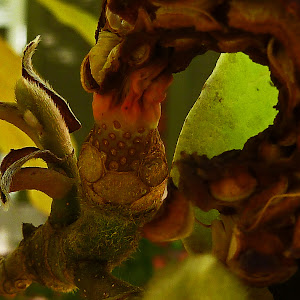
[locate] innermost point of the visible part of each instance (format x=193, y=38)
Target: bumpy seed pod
x=118, y=167
x=123, y=163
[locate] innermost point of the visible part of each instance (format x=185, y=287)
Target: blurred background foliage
x=58, y=60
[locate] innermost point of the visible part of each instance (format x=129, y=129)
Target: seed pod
x=234, y=187
x=107, y=172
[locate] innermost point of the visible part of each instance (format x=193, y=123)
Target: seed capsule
x=234, y=187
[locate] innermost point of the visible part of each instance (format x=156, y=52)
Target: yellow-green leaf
x=74, y=17
x=236, y=103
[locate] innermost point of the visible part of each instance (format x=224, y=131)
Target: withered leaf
x=14, y=161
x=27, y=153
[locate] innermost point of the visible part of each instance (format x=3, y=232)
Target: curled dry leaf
x=16, y=178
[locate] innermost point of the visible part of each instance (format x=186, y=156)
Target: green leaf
x=200, y=277
x=74, y=17
x=235, y=104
